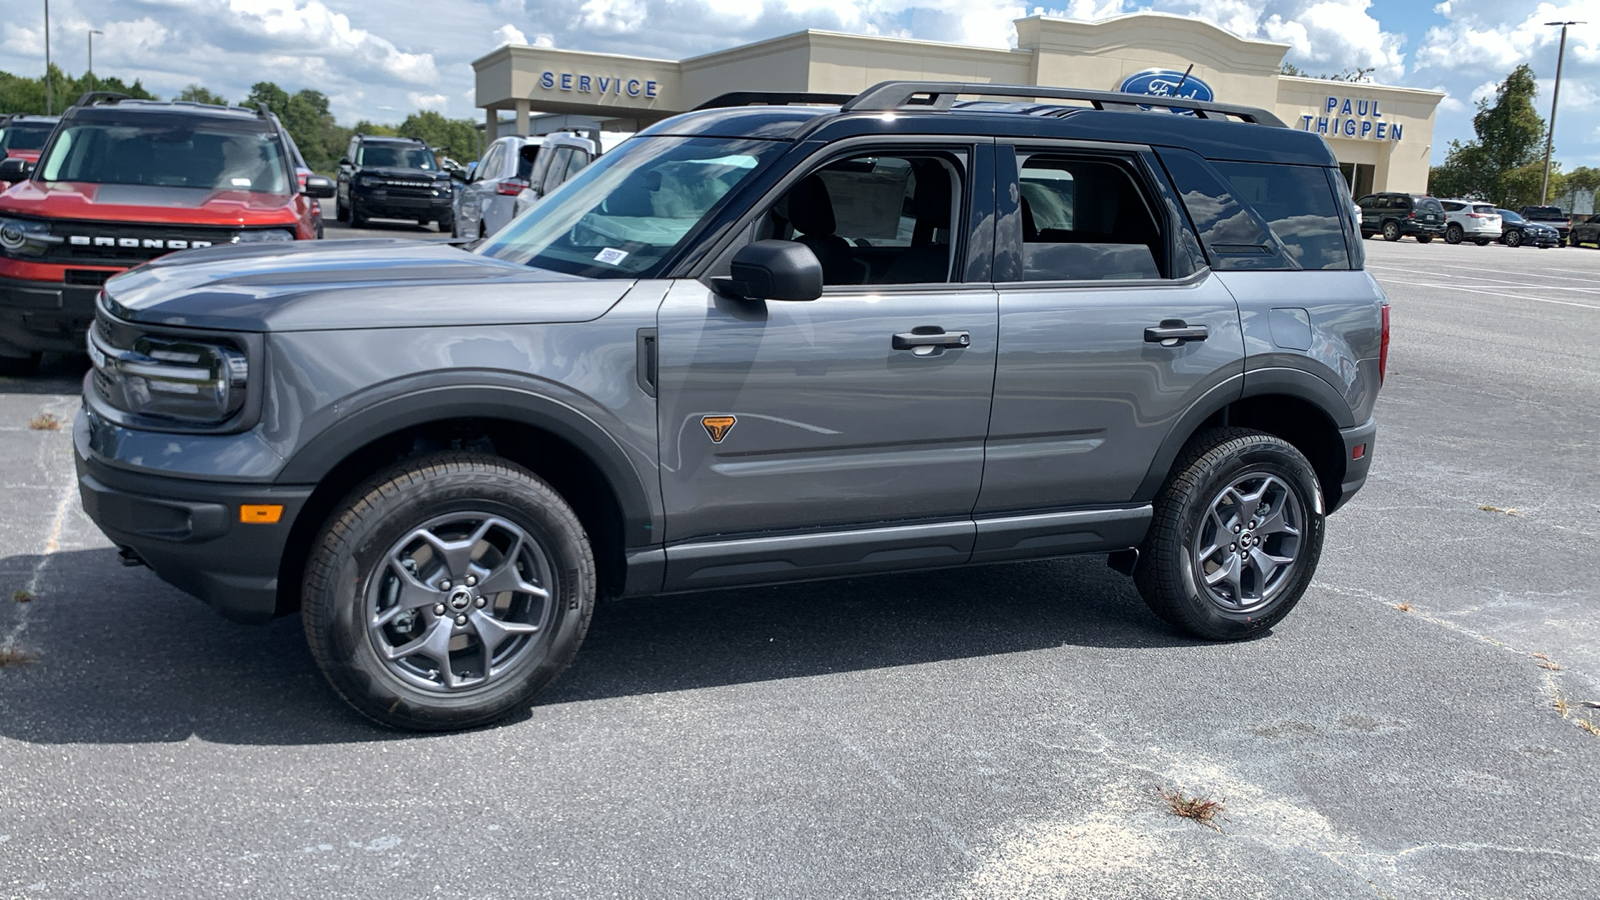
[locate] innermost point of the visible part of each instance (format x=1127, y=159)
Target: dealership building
x=1381, y=135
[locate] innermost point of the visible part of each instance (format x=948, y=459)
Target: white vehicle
x=513, y=175
x=1470, y=220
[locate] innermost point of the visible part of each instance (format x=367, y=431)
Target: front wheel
x=1424, y=238
x=1391, y=230
x=1452, y=235
x=1513, y=239
x=448, y=592
x=1235, y=536
x=1482, y=242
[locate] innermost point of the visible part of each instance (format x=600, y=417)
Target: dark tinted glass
x=25, y=136
x=1233, y=238
x=1299, y=207
x=218, y=160
x=397, y=156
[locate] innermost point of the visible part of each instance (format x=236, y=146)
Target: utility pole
x=92, y=33
x=1555, y=97
x=49, y=100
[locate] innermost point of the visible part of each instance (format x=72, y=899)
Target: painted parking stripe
x=1487, y=282
x=1454, y=287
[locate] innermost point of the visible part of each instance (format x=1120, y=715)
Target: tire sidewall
x=1453, y=234
x=352, y=661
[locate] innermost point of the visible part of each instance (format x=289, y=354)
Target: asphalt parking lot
x=992, y=732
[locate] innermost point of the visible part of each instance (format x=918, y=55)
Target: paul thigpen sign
x=1351, y=118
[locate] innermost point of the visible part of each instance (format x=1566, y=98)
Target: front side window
x=877, y=218
x=397, y=156
x=1085, y=219
x=169, y=156
x=623, y=216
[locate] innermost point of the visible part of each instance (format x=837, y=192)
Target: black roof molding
x=93, y=98
x=939, y=96
x=772, y=98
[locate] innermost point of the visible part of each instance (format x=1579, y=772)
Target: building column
x=491, y=124
x=522, y=116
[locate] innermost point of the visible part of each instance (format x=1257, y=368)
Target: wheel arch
x=554, y=441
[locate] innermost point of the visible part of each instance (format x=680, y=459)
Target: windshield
x=622, y=216
x=169, y=156
x=397, y=156
x=25, y=137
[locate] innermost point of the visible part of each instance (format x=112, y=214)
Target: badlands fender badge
x=718, y=427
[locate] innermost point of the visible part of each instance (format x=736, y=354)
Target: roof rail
x=773, y=98
x=889, y=96
x=92, y=98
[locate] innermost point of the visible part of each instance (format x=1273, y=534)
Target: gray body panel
x=1082, y=401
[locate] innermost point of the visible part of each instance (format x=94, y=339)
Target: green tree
x=199, y=94
x=1582, y=180
x=307, y=118
x=456, y=138
x=1520, y=186
x=22, y=94
x=1510, y=134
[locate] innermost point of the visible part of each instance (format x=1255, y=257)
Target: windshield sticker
x=241, y=182
x=611, y=256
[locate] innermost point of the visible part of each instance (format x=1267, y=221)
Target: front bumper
x=190, y=531
x=1355, y=468
x=391, y=204
x=44, y=316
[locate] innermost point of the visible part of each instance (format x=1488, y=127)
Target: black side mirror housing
x=14, y=170
x=320, y=186
x=772, y=270
x=344, y=160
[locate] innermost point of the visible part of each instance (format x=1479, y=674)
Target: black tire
x=1482, y=242
x=1424, y=238
x=353, y=569
x=1169, y=574
x=1513, y=239
x=358, y=218
x=1391, y=230
x=447, y=224
x=340, y=211
x=1452, y=234
x=20, y=365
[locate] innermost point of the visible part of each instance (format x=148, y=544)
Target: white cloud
x=509, y=34
x=436, y=102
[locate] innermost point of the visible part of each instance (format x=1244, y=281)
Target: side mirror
x=344, y=160
x=772, y=270
x=14, y=170
x=320, y=186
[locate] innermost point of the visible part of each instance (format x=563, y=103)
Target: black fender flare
x=514, y=404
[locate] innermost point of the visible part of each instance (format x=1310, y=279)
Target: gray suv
x=786, y=337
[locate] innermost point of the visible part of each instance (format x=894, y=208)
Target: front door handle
x=931, y=336
x=1172, y=332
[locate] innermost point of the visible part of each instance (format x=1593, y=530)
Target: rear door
x=848, y=429
x=1108, y=333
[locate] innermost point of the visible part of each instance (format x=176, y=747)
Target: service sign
x=1167, y=83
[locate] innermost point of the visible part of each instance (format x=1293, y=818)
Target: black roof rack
x=773, y=98
x=91, y=98
x=889, y=96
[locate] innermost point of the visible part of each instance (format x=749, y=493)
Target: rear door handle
x=1172, y=332
x=931, y=336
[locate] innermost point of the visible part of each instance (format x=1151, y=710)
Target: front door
x=846, y=433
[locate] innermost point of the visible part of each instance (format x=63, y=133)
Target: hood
x=147, y=203
x=324, y=285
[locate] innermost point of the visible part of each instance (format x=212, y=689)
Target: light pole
x=49, y=100
x=1555, y=97
x=92, y=33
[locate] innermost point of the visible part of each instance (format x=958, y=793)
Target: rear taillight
x=1474, y=215
x=1412, y=214
x=511, y=187
x=1383, y=348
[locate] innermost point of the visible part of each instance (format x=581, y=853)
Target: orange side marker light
x=260, y=513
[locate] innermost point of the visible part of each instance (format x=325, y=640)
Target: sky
x=381, y=60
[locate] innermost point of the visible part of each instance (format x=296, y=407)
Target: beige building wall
x=1055, y=52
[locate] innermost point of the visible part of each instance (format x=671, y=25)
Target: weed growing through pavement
x=1201, y=809
x=22, y=596
x=45, y=422
x=14, y=656
x=1546, y=663
x=1562, y=707
x=1507, y=510
x=1403, y=607
x=1589, y=726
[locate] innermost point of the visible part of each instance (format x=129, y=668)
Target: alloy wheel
x=1247, y=544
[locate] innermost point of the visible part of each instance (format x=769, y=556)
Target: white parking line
x=1543, y=273
x=1497, y=282
x=1457, y=287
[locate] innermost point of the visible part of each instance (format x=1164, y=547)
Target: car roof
x=388, y=139
x=28, y=119
x=898, y=108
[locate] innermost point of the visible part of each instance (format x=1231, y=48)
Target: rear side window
x=1085, y=219
x=1483, y=209
x=1452, y=206
x=1298, y=206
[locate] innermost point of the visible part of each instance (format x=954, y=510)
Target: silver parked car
x=515, y=173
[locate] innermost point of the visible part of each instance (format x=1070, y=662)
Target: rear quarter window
x=1298, y=205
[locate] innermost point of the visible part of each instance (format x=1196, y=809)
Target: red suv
x=121, y=182
x=23, y=135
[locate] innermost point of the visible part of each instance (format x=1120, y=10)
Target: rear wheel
x=1513, y=239
x=1235, y=537
x=1391, y=230
x=1482, y=242
x=1424, y=238
x=448, y=592
x=1452, y=234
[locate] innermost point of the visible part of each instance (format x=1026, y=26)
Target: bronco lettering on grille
x=83, y=240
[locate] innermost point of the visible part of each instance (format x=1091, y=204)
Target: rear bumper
x=44, y=315
x=189, y=531
x=1355, y=469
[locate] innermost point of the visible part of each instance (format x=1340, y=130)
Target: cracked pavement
x=993, y=732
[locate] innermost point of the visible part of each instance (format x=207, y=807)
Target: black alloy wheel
x=1513, y=239
x=1452, y=234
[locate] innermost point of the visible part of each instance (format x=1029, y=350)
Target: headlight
x=365, y=181
x=267, y=236
x=22, y=237
x=193, y=382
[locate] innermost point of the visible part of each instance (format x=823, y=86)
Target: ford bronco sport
x=765, y=341
x=121, y=181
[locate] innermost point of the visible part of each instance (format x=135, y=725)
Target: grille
x=116, y=243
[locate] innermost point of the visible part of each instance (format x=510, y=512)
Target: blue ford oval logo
x=1167, y=83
